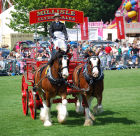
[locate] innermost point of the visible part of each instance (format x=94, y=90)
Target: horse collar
x=52, y=79
x=89, y=78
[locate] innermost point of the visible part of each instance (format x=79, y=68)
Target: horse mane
x=89, y=53
x=57, y=55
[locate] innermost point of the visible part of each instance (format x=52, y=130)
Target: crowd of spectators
x=116, y=56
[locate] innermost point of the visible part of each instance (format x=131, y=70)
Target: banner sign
x=120, y=27
x=46, y=15
x=84, y=29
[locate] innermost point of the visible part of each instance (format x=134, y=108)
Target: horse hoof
x=47, y=123
x=97, y=110
x=62, y=118
x=88, y=122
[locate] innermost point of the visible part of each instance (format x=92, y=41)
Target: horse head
x=93, y=63
x=60, y=61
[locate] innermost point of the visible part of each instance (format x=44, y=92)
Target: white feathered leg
x=98, y=109
x=88, y=120
x=45, y=114
x=89, y=100
x=79, y=106
x=47, y=121
x=62, y=111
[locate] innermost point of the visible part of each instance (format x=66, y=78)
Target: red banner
x=120, y=27
x=45, y=15
x=84, y=29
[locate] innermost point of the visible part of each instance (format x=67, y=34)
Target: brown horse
x=88, y=77
x=49, y=81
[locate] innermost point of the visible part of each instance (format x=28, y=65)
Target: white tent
x=4, y=29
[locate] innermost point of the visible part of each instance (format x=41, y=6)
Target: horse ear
x=97, y=53
x=86, y=55
x=59, y=50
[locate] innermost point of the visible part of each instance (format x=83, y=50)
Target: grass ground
x=121, y=116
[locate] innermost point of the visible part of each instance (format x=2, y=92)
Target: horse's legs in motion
x=62, y=110
x=45, y=112
x=99, y=90
x=98, y=108
x=89, y=100
x=88, y=120
x=79, y=106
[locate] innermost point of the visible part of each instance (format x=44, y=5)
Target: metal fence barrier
x=108, y=62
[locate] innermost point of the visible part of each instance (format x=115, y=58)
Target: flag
x=84, y=29
x=120, y=27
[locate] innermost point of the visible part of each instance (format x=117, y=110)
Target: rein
x=75, y=87
x=48, y=74
x=54, y=80
x=89, y=78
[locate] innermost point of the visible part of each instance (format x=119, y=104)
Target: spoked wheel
x=24, y=96
x=32, y=103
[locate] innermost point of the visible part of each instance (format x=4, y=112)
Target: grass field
x=121, y=116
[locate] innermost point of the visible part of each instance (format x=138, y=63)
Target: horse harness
x=90, y=79
x=48, y=74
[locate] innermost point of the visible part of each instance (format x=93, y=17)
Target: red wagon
x=30, y=99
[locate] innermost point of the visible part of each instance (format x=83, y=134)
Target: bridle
x=60, y=63
x=89, y=61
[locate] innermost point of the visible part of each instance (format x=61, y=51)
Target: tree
x=96, y=10
x=20, y=18
x=103, y=10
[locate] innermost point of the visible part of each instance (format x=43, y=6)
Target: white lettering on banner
x=120, y=28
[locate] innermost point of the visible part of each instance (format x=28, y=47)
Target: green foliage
x=103, y=10
x=96, y=10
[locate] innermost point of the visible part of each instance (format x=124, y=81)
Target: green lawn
x=121, y=116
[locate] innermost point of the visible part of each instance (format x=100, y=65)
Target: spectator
x=17, y=47
x=108, y=49
x=2, y=64
x=11, y=55
x=119, y=53
x=102, y=56
x=113, y=63
x=135, y=53
x=125, y=53
x=115, y=52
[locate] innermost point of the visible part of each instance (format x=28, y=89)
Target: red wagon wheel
x=32, y=103
x=24, y=95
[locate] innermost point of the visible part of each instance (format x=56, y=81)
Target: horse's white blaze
x=65, y=72
x=95, y=70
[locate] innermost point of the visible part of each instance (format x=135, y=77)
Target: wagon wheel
x=24, y=95
x=32, y=103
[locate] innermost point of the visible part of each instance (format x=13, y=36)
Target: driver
x=58, y=32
